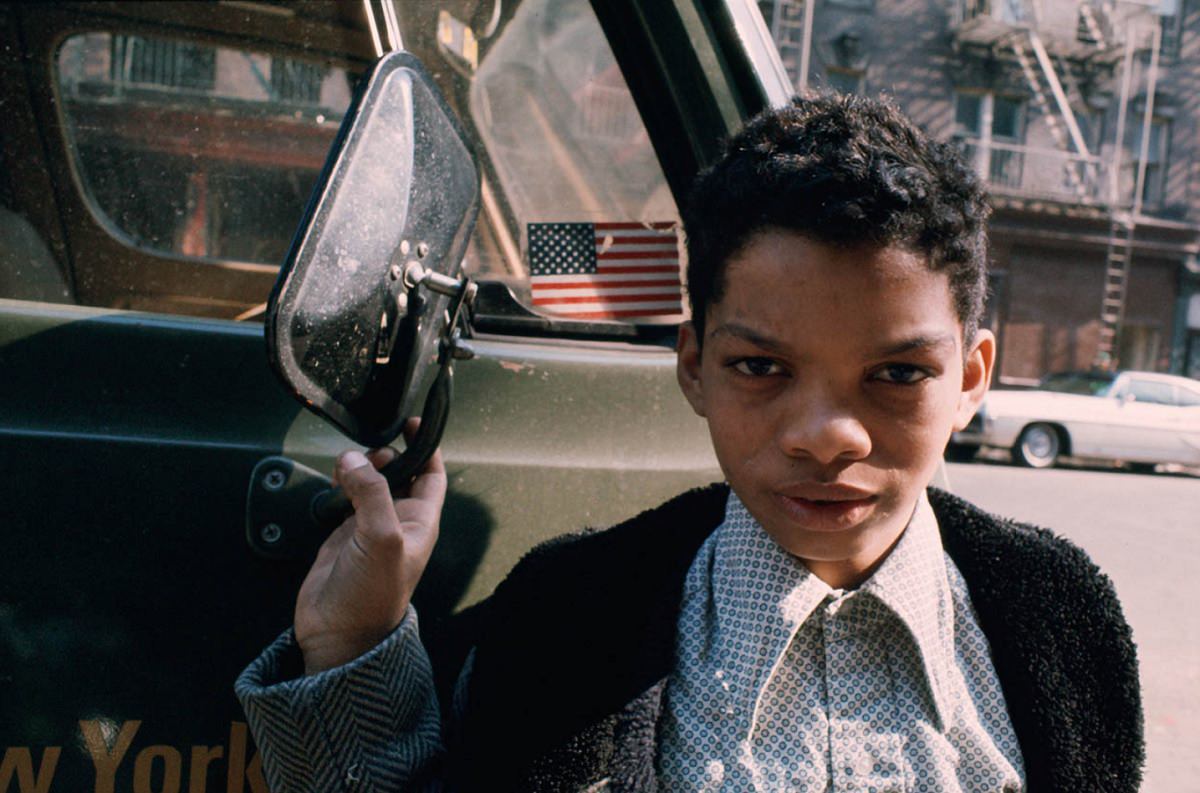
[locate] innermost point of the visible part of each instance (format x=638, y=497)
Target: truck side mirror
x=352, y=325
x=361, y=323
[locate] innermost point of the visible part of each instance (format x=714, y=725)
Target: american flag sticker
x=606, y=270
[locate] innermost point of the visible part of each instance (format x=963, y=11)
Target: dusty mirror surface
x=350, y=334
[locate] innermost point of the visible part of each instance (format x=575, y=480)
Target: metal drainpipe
x=1114, y=182
x=1147, y=120
x=806, y=44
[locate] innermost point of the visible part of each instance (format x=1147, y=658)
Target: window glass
x=196, y=150
x=1172, y=29
x=1151, y=392
x=844, y=82
x=1006, y=118
x=579, y=189
x=967, y=110
x=193, y=150
x=1083, y=383
x=999, y=159
x=1156, y=156
x=1188, y=397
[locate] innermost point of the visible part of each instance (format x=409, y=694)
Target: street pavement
x=1144, y=532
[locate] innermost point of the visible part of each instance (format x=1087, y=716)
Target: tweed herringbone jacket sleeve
x=371, y=725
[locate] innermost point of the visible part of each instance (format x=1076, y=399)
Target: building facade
x=1082, y=117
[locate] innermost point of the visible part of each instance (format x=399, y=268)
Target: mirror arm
x=331, y=508
x=464, y=288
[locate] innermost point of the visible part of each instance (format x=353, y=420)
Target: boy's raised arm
x=360, y=586
x=363, y=714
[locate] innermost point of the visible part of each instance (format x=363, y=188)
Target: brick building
x=1052, y=100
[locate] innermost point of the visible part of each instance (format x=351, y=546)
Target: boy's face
x=831, y=379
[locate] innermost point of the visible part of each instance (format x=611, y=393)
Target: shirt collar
x=761, y=595
x=752, y=632
x=912, y=581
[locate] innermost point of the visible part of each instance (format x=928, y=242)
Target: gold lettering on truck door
x=18, y=761
x=107, y=756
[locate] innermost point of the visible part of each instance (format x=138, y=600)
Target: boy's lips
x=826, y=507
x=814, y=491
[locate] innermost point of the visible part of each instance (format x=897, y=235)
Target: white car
x=1141, y=418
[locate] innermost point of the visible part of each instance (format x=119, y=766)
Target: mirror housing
x=351, y=332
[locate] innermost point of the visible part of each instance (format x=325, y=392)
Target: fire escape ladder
x=1059, y=117
x=1116, y=282
x=787, y=28
x=1085, y=176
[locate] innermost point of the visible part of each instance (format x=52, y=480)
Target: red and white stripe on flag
x=630, y=271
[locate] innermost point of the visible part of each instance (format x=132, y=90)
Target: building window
x=1172, y=30
x=1139, y=346
x=1156, y=159
x=996, y=153
x=844, y=81
x=858, y=5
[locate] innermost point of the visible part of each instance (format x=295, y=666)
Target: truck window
x=188, y=153
x=195, y=150
x=577, y=215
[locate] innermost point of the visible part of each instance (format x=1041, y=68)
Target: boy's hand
x=360, y=585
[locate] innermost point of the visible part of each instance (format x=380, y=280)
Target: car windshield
x=1085, y=383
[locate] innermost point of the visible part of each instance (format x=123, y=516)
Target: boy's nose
x=819, y=427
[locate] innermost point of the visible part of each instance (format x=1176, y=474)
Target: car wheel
x=1143, y=468
x=1038, y=446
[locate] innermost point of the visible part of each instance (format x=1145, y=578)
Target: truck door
x=156, y=160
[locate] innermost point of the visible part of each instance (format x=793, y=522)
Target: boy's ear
x=977, y=376
x=687, y=367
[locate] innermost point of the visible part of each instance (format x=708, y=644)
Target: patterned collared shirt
x=782, y=683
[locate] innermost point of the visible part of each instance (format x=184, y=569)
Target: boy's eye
x=757, y=367
x=901, y=374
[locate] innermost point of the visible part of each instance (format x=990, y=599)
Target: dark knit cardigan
x=573, y=650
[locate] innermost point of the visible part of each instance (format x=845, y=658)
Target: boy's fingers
x=430, y=484
x=375, y=515
x=382, y=456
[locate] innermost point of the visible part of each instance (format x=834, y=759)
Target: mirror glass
x=345, y=331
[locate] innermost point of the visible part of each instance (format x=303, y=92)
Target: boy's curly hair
x=842, y=170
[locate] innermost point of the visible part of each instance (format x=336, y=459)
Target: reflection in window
x=170, y=64
x=195, y=150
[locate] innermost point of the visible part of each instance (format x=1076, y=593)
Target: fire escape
x=1054, y=46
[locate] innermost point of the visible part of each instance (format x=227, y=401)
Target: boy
x=818, y=623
